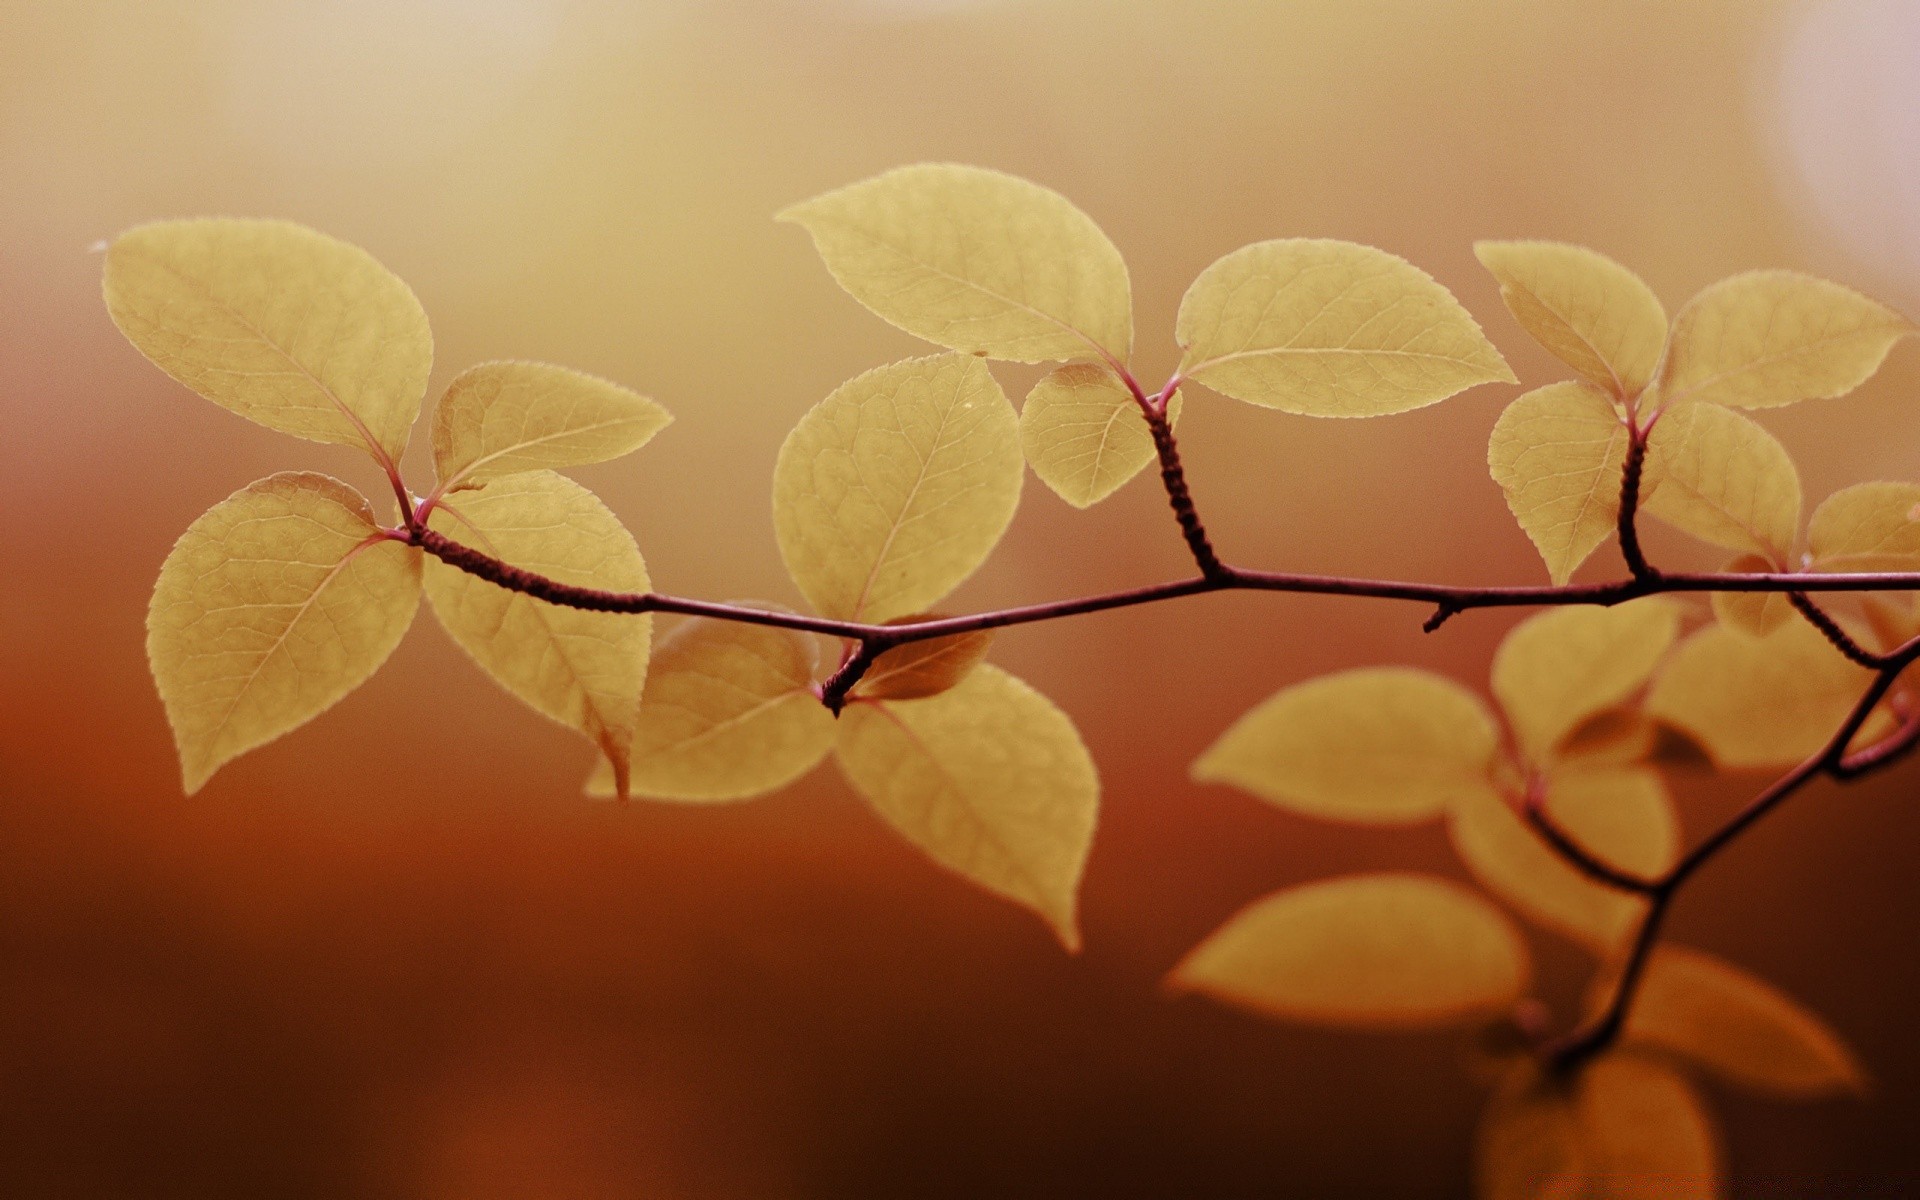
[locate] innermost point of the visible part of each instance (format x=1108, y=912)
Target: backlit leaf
x=285, y=326
x=1755, y=613
x=1084, y=434
x=1612, y=737
x=499, y=418
x=1748, y=1031
x=976, y=261
x=1723, y=479
x=728, y=712
x=1621, y=815
x=1377, y=746
x=1587, y=310
x=1556, y=669
x=1529, y=1145
x=1757, y=702
x=1767, y=338
x=1390, y=951
x=276, y=603
x=1557, y=454
x=894, y=488
x=924, y=668
x=1867, y=527
x=582, y=669
x=990, y=779
x=1330, y=329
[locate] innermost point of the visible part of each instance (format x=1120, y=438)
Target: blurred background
x=397, y=954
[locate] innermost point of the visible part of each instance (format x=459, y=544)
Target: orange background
x=397, y=954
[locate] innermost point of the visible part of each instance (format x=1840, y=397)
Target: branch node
x=1445, y=611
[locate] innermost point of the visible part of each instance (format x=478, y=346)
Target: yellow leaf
x=1724, y=1019
x=1867, y=527
x=1754, y=613
x=1621, y=815
x=1723, y=479
x=1612, y=737
x=1768, y=338
x=499, y=418
x=1389, y=951
x=1625, y=1128
x=976, y=261
x=1376, y=746
x=894, y=488
x=990, y=780
x=276, y=603
x=285, y=326
x=916, y=670
x=728, y=712
x=1757, y=702
x=1892, y=620
x=1558, y=668
x=1557, y=453
x=582, y=669
x=1587, y=310
x=1084, y=434
x=1330, y=329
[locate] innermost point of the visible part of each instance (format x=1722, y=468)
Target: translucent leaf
x=285, y=326
x=1723, y=479
x=1757, y=702
x=276, y=603
x=976, y=261
x=1768, y=338
x=582, y=669
x=1625, y=1128
x=894, y=488
x=1612, y=737
x=990, y=779
x=1893, y=620
x=925, y=668
x=499, y=418
x=1330, y=329
x=1749, y=1032
x=1587, y=310
x=1867, y=527
x=1377, y=746
x=1556, y=669
x=1557, y=453
x=1084, y=434
x=728, y=712
x=1390, y=951
x=1621, y=815
x=1754, y=613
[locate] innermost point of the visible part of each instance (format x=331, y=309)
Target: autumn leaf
x=990, y=780
x=896, y=487
x=728, y=712
x=1768, y=338
x=1622, y=816
x=285, y=326
x=1330, y=329
x=582, y=669
x=1084, y=435
x=1867, y=527
x=1754, y=613
x=1748, y=1032
x=272, y=606
x=1557, y=454
x=1758, y=702
x=1377, y=746
x=1587, y=310
x=975, y=261
x=499, y=418
x=915, y=670
x=1556, y=669
x=1725, y=480
x=1389, y=951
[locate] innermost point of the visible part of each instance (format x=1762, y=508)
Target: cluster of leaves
x=895, y=488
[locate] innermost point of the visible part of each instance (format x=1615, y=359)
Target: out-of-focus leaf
x=924, y=668
x=1330, y=329
x=1754, y=613
x=1557, y=668
x=1587, y=310
x=498, y=418
x=272, y=606
x=1557, y=454
x=896, y=487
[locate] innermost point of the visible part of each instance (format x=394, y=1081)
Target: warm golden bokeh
x=398, y=954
